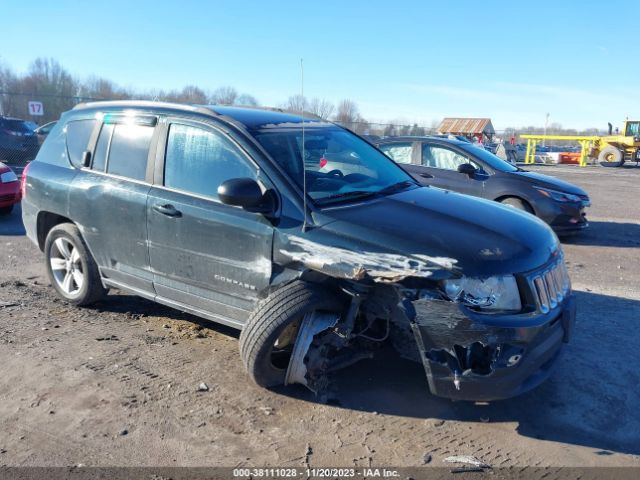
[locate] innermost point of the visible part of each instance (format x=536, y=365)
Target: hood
x=550, y=182
x=425, y=230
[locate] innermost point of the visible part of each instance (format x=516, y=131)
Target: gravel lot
x=117, y=384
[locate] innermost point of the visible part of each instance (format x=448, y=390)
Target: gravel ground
x=117, y=384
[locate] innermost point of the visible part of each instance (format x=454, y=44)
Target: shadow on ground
x=607, y=234
x=11, y=225
x=590, y=400
x=117, y=302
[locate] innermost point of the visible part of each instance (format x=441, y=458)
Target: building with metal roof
x=469, y=127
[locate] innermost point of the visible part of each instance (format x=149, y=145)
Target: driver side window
x=198, y=160
x=441, y=157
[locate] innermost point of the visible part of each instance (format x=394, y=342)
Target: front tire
x=610, y=157
x=70, y=267
x=517, y=203
x=267, y=340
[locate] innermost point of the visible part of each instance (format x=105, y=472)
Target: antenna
x=304, y=169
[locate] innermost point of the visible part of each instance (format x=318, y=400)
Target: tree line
x=47, y=81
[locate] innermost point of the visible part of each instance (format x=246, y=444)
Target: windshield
x=338, y=164
x=489, y=158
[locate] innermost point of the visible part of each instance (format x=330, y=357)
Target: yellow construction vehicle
x=610, y=150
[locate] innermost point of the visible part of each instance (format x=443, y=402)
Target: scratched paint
x=382, y=267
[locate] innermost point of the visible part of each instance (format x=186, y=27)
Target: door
x=109, y=197
x=438, y=166
x=204, y=254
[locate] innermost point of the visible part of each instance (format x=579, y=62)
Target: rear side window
x=399, y=152
x=129, y=150
x=78, y=134
x=199, y=160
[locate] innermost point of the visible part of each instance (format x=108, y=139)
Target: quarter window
x=198, y=160
x=78, y=134
x=129, y=150
x=399, y=152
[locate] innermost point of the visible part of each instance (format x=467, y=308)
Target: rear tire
x=70, y=267
x=268, y=337
x=517, y=203
x=6, y=210
x=610, y=157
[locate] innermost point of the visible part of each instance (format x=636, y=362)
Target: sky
x=402, y=60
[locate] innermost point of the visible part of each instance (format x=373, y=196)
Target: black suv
x=204, y=209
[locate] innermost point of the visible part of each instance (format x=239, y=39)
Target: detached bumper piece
x=464, y=360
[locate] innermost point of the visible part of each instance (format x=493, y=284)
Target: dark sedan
x=18, y=143
x=462, y=167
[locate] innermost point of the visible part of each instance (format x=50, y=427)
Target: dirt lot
x=116, y=384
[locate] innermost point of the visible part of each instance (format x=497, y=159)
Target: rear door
x=212, y=257
x=108, y=199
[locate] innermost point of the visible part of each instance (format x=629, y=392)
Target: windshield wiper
x=396, y=187
x=349, y=194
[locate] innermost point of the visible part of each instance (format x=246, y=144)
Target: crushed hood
x=421, y=232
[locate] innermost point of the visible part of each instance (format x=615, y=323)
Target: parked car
x=43, y=131
x=18, y=142
x=462, y=168
x=9, y=189
x=204, y=209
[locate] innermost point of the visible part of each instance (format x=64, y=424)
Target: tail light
x=23, y=181
x=323, y=162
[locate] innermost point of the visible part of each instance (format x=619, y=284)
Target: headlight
x=493, y=293
x=8, y=177
x=559, y=196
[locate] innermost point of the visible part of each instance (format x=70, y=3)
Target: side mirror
x=467, y=169
x=240, y=192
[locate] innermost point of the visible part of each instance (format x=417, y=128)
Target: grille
x=7, y=198
x=551, y=285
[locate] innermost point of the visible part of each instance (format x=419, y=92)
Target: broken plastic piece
x=456, y=379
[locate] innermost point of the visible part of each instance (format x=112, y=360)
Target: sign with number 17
x=35, y=108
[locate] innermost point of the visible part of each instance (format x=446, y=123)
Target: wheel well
x=523, y=200
x=46, y=221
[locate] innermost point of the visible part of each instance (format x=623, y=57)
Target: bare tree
x=347, y=112
x=320, y=107
x=247, y=100
x=97, y=88
x=296, y=103
x=417, y=131
x=48, y=82
x=224, y=96
x=193, y=95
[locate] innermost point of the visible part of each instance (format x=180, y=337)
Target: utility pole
x=546, y=123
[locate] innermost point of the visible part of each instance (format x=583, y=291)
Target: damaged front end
x=476, y=338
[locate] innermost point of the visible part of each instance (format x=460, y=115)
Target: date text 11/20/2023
x=315, y=472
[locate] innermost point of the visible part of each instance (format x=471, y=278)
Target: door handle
x=168, y=210
x=425, y=175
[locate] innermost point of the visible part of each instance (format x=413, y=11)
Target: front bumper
x=9, y=194
x=564, y=218
x=465, y=360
